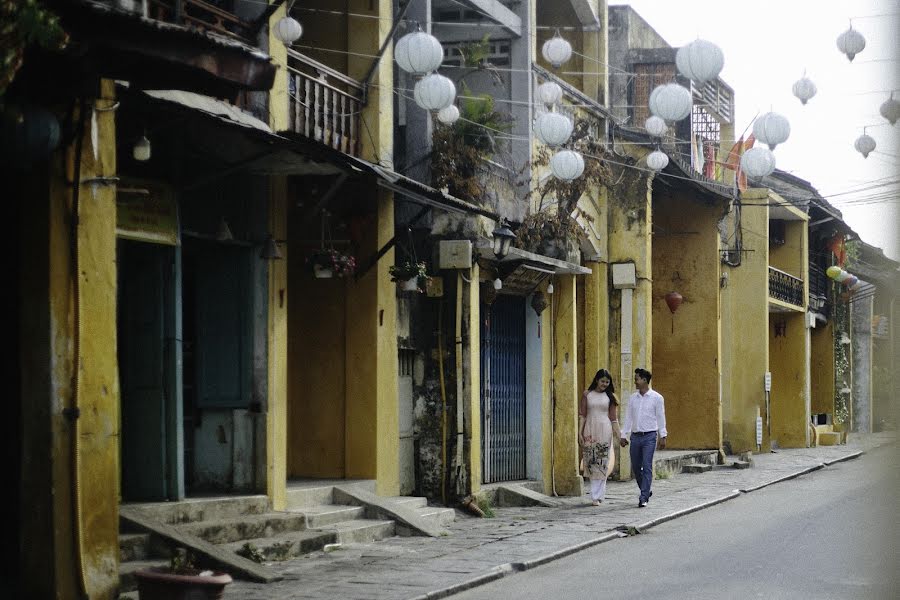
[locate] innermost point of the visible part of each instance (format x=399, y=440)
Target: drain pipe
x=552, y=397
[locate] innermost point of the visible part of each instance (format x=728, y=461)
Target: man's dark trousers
x=643, y=445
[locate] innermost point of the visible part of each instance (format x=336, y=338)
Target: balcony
x=324, y=104
x=786, y=288
x=200, y=15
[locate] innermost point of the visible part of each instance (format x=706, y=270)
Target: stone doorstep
x=222, y=531
x=320, y=516
x=696, y=468
x=408, y=520
x=285, y=546
x=830, y=438
x=362, y=530
x=741, y=464
x=301, y=495
x=201, y=509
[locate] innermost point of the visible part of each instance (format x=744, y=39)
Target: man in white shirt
x=645, y=422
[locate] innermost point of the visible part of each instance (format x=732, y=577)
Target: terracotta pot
x=162, y=584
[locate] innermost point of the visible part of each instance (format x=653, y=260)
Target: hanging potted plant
x=411, y=276
x=180, y=580
x=328, y=262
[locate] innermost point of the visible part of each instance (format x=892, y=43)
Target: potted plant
x=181, y=580
x=412, y=276
x=328, y=262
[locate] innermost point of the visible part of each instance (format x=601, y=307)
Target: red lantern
x=673, y=301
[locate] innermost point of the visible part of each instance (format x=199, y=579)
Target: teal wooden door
x=143, y=370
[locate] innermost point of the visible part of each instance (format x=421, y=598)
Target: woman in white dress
x=597, y=420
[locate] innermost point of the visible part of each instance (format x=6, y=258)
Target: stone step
x=830, y=438
x=127, y=582
x=409, y=501
x=320, y=516
x=285, y=546
x=193, y=510
x=361, y=530
x=437, y=514
x=246, y=527
x=696, y=468
x=133, y=546
x=299, y=498
x=741, y=464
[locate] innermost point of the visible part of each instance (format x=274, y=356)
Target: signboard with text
x=147, y=213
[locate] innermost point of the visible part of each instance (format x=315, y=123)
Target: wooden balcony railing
x=786, y=288
x=324, y=104
x=205, y=15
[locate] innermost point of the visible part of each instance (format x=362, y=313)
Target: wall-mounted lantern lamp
x=503, y=237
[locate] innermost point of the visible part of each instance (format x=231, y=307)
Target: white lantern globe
x=655, y=126
x=567, y=165
x=771, y=129
x=864, y=144
x=700, y=61
x=287, y=30
x=418, y=53
x=434, y=92
x=851, y=43
x=804, y=89
x=557, y=51
x=670, y=102
x=448, y=115
x=657, y=160
x=552, y=128
x=758, y=162
x=890, y=109
x=549, y=93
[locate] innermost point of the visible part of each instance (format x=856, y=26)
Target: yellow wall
x=686, y=343
x=787, y=354
x=365, y=36
x=745, y=323
x=547, y=416
x=791, y=256
x=276, y=409
x=822, y=368
x=566, y=387
x=472, y=367
x=51, y=382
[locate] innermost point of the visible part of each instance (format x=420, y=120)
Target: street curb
x=850, y=456
x=493, y=574
x=687, y=511
x=780, y=479
x=542, y=560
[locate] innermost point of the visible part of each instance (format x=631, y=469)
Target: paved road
x=831, y=534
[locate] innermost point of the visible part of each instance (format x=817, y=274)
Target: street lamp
x=503, y=237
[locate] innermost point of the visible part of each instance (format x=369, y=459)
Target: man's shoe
x=642, y=504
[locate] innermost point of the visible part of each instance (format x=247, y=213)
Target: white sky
x=767, y=45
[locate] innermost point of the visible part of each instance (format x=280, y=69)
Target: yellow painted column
x=279, y=101
x=365, y=37
x=471, y=346
x=596, y=322
x=547, y=416
x=566, y=390
x=276, y=411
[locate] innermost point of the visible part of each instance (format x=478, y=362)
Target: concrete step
x=830, y=438
x=127, y=582
x=193, y=510
x=437, y=514
x=246, y=527
x=133, y=546
x=320, y=516
x=409, y=501
x=286, y=546
x=741, y=464
x=696, y=468
x=303, y=497
x=361, y=530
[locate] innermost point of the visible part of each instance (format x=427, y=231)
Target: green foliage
x=408, y=270
x=842, y=375
x=342, y=265
x=485, y=505
x=249, y=551
x=182, y=562
x=23, y=23
x=662, y=473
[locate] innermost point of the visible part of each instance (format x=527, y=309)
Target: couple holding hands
x=645, y=424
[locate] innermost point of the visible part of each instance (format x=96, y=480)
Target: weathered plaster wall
x=822, y=369
x=788, y=364
x=791, y=256
x=686, y=343
x=861, y=349
x=566, y=387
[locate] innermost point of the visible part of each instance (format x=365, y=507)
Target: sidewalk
x=481, y=550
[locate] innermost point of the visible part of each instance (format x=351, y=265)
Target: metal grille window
x=498, y=53
x=705, y=142
x=647, y=77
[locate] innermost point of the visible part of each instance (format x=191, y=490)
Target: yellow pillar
x=471, y=348
x=365, y=37
x=276, y=412
x=566, y=390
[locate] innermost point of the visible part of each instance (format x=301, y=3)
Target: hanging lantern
x=851, y=43
x=549, y=93
x=700, y=61
x=670, y=101
x=804, y=89
x=142, y=149
x=287, y=30
x=890, y=109
x=557, y=51
x=758, y=162
x=864, y=144
x=448, y=115
x=833, y=272
x=567, y=165
x=655, y=126
x=851, y=281
x=434, y=92
x=657, y=160
x=539, y=303
x=673, y=301
x=772, y=129
x=553, y=129
x=418, y=53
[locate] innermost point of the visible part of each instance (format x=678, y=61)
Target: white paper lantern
x=700, y=61
x=557, y=51
x=287, y=30
x=567, y=165
x=758, y=162
x=890, y=109
x=553, y=129
x=657, y=160
x=851, y=43
x=448, y=115
x=771, y=129
x=655, y=126
x=804, y=89
x=549, y=93
x=434, y=92
x=670, y=101
x=864, y=144
x=418, y=53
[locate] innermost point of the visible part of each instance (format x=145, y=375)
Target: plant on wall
x=24, y=22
